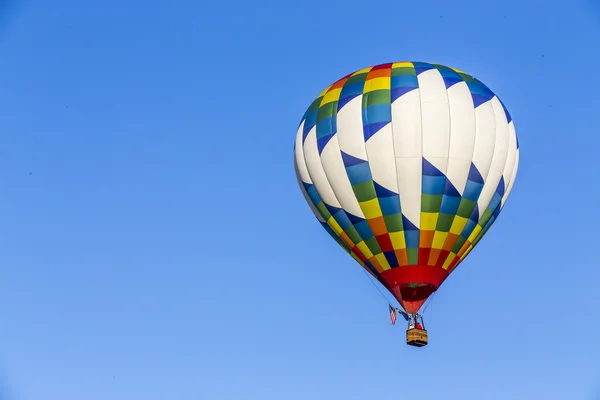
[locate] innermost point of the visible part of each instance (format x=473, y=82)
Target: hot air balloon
x=407, y=165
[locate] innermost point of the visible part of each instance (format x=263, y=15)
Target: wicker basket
x=416, y=337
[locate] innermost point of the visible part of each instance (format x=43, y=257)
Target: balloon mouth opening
x=412, y=285
x=412, y=296
x=416, y=291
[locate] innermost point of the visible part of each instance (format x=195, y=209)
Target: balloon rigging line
x=429, y=301
x=376, y=287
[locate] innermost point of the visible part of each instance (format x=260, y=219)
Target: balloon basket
x=416, y=337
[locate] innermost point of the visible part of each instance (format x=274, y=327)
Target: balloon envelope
x=407, y=165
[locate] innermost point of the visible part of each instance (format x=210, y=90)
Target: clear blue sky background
x=154, y=245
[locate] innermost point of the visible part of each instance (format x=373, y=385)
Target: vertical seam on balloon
x=313, y=182
x=447, y=159
x=395, y=165
x=364, y=112
x=334, y=137
x=329, y=180
x=334, y=117
x=337, y=238
x=362, y=100
x=507, y=141
x=311, y=204
x=485, y=180
x=411, y=276
x=361, y=96
x=317, y=214
x=512, y=175
x=308, y=170
x=446, y=174
x=471, y=165
x=479, y=237
x=421, y=161
x=494, y=156
x=418, y=158
x=297, y=170
x=509, y=178
x=324, y=223
x=426, y=262
x=507, y=183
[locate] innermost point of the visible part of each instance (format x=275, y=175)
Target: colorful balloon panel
x=407, y=165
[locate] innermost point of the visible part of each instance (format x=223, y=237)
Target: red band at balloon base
x=412, y=285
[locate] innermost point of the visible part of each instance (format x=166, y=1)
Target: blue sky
x=154, y=244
